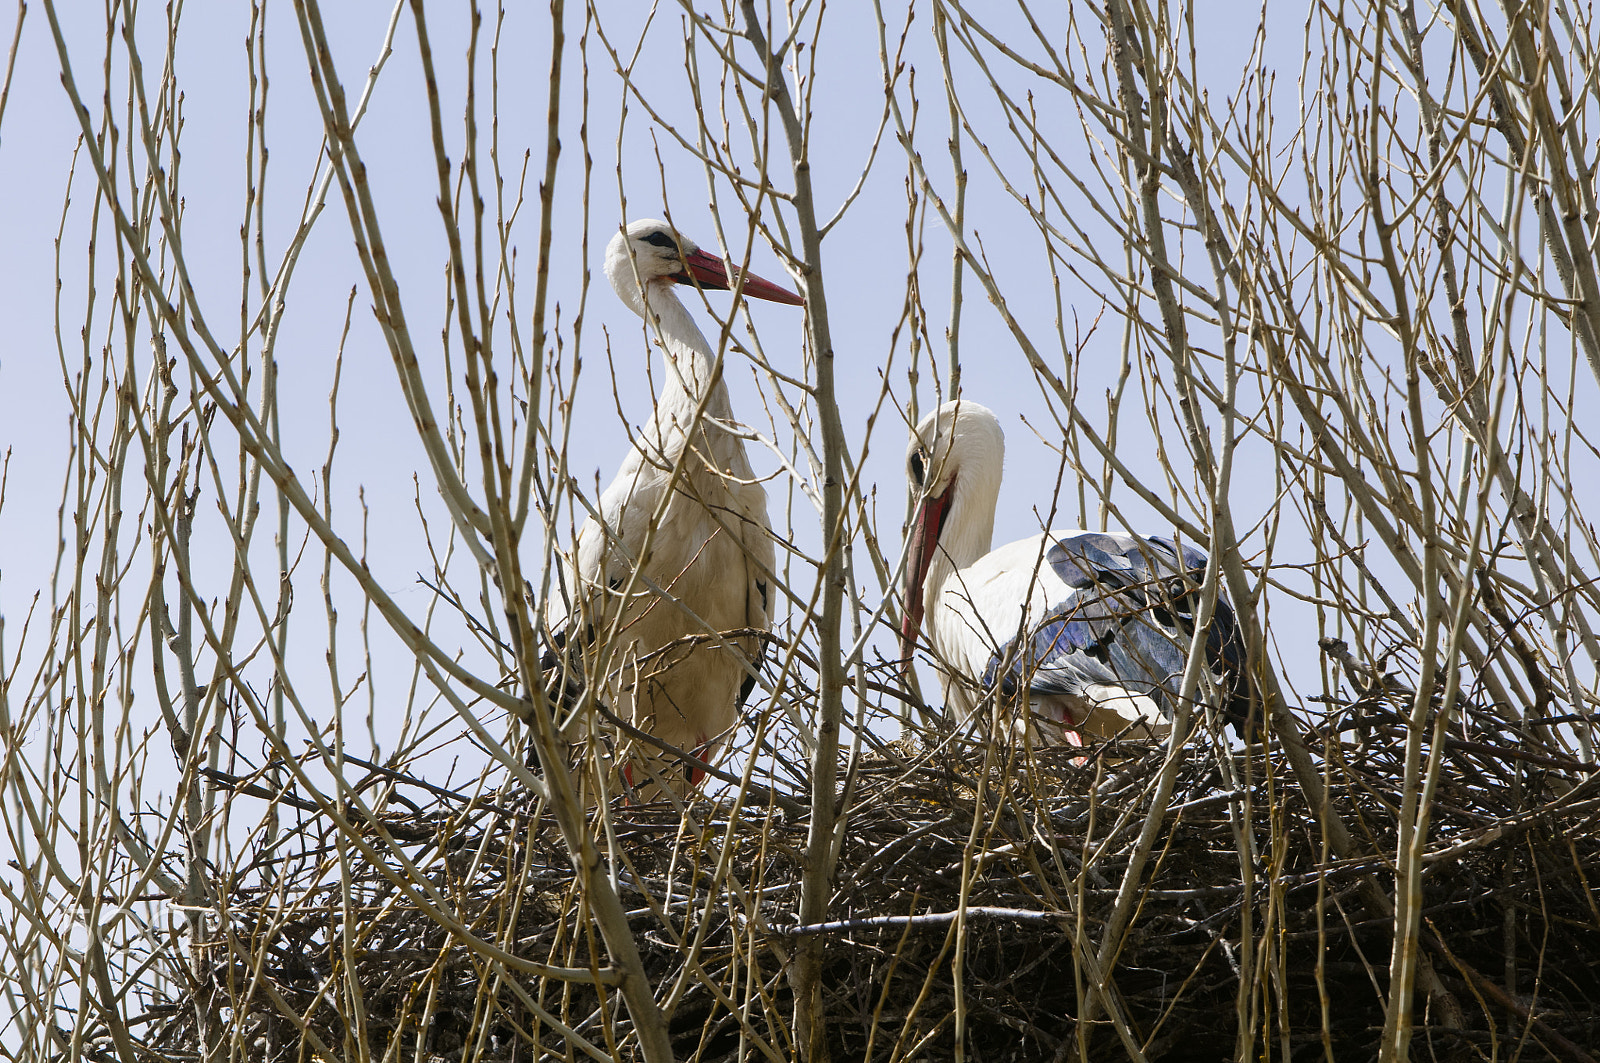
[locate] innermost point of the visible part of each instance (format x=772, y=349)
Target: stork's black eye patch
x=917, y=471
x=661, y=239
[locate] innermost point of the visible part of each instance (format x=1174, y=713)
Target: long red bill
x=925, y=529
x=709, y=271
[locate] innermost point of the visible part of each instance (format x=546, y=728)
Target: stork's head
x=953, y=469
x=651, y=253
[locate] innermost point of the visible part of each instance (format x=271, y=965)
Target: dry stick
x=175, y=525
x=253, y=436
x=1540, y=541
x=483, y=391
x=246, y=502
x=541, y=288
x=255, y=439
x=270, y=316
x=610, y=916
x=978, y=838
x=1224, y=543
x=1282, y=723
x=1284, y=726
x=94, y=692
x=1098, y=972
x=150, y=136
x=1573, y=259
x=1482, y=429
x=953, y=330
x=822, y=837
x=197, y=896
x=381, y=282
x=1487, y=987
x=1035, y=361
x=11, y=58
x=1124, y=905
x=482, y=381
x=1543, y=544
x=1142, y=151
x=1413, y=813
x=1214, y=476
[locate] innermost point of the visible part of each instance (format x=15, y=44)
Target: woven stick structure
x=971, y=900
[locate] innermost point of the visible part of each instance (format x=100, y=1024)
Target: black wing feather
x=1127, y=622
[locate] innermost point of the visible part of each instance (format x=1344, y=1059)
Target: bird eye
x=661, y=239
x=917, y=470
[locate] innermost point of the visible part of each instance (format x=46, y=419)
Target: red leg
x=1073, y=737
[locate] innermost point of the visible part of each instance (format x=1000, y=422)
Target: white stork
x=703, y=569
x=1093, y=626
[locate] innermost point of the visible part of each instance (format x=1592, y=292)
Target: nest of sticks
x=973, y=900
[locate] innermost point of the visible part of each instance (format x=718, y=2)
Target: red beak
x=925, y=529
x=709, y=271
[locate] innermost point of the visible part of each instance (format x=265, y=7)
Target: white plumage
x=1094, y=627
x=671, y=673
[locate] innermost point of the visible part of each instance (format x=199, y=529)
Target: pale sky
x=865, y=261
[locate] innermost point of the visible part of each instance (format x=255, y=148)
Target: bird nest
x=975, y=898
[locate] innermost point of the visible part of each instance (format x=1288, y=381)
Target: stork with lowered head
x=1092, y=629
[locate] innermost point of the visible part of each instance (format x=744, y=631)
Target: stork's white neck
x=686, y=353
x=969, y=523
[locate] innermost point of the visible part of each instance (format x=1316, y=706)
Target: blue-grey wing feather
x=1127, y=621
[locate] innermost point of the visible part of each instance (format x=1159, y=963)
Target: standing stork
x=1093, y=627
x=687, y=513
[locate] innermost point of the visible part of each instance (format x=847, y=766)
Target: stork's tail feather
x=1226, y=655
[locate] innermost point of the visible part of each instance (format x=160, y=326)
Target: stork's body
x=664, y=633
x=1093, y=627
